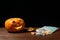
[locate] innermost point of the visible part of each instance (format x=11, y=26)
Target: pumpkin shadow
x=22, y=31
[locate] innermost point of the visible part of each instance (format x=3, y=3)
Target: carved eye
x=13, y=22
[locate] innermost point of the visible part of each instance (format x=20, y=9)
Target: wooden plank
x=4, y=35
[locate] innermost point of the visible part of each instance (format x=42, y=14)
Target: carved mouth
x=19, y=27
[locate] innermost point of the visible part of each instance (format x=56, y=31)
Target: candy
x=45, y=30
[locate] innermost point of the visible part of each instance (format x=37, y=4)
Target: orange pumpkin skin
x=14, y=24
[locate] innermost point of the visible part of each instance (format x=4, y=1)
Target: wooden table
x=4, y=35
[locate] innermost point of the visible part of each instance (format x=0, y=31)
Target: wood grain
x=4, y=35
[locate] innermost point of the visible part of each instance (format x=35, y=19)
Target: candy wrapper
x=45, y=30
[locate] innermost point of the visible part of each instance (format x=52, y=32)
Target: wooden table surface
x=4, y=35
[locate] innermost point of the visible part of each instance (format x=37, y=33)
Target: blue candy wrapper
x=45, y=30
x=53, y=29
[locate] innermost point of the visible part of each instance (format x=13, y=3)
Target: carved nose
x=17, y=25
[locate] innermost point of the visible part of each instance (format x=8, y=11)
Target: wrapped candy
x=45, y=30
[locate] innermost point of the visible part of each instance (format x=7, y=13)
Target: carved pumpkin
x=14, y=24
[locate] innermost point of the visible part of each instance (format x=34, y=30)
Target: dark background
x=45, y=15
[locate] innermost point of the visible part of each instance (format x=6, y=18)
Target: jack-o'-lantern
x=14, y=24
